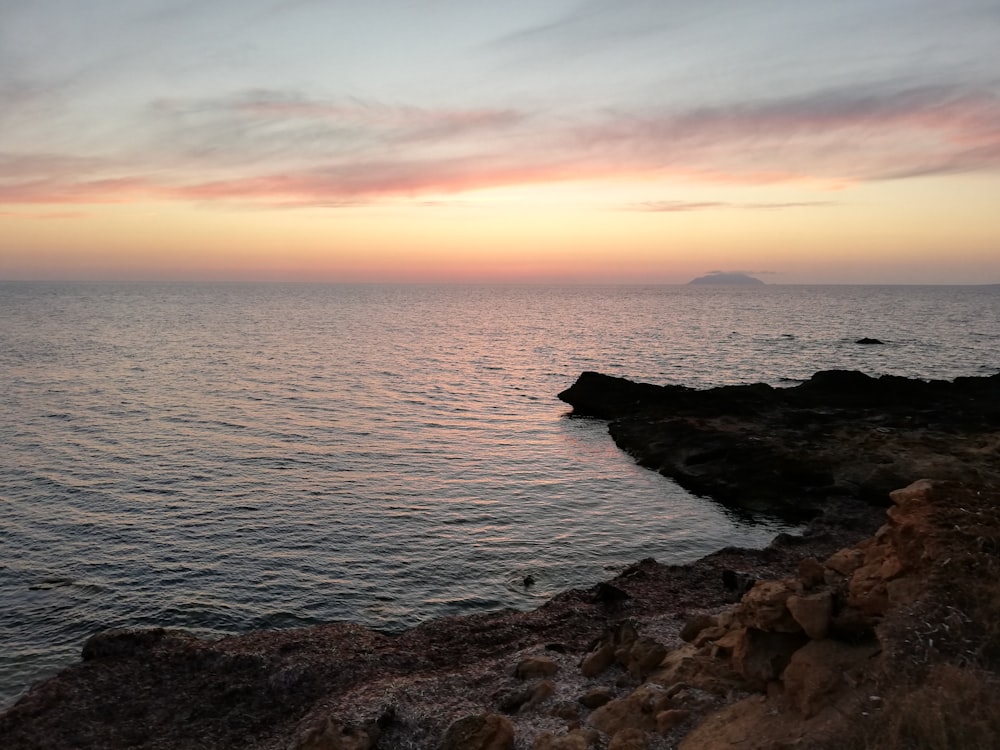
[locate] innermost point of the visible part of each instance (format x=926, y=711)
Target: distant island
x=723, y=277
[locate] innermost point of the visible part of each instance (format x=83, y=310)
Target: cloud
x=836, y=135
x=265, y=147
x=685, y=206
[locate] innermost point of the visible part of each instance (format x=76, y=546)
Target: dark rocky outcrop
x=786, y=450
x=827, y=626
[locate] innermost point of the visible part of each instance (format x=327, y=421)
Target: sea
x=229, y=457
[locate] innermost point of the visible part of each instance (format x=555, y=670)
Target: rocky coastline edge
x=817, y=639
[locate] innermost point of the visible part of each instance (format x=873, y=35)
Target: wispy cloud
x=686, y=206
x=281, y=148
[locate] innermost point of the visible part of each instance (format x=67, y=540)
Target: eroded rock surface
x=785, y=450
x=659, y=657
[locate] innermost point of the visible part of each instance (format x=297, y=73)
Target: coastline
x=342, y=685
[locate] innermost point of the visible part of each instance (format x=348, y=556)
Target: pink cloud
x=287, y=151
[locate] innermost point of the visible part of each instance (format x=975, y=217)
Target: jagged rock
x=867, y=591
x=636, y=711
x=783, y=450
x=812, y=612
x=765, y=607
x=844, y=562
x=479, y=732
x=535, y=666
x=629, y=739
x=697, y=668
x=819, y=669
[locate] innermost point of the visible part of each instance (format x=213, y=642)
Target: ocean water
x=228, y=457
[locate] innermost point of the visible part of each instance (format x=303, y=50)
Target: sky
x=598, y=141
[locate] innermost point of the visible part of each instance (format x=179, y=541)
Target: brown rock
x=597, y=661
x=643, y=656
x=760, y=656
x=819, y=670
x=629, y=739
x=479, y=732
x=541, y=693
x=764, y=607
x=811, y=572
x=595, y=698
x=812, y=612
x=567, y=711
x=694, y=668
x=867, y=592
x=332, y=734
x=670, y=719
x=696, y=625
x=519, y=701
x=845, y=562
x=576, y=739
x=536, y=666
x=636, y=711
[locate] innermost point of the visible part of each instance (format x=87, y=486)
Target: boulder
x=642, y=656
x=696, y=625
x=667, y=721
x=812, y=612
x=535, y=666
x=811, y=573
x=760, y=656
x=479, y=732
x=629, y=739
x=636, y=711
x=595, y=698
x=820, y=669
x=765, y=607
x=518, y=701
x=845, y=561
x=597, y=661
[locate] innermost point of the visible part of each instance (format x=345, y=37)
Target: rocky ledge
x=869, y=628
x=786, y=450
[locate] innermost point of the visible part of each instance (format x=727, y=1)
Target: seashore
x=818, y=638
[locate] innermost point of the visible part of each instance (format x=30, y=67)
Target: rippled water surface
x=229, y=457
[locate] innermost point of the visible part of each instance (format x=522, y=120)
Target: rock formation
x=786, y=450
x=829, y=625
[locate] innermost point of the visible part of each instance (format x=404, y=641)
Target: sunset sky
x=855, y=141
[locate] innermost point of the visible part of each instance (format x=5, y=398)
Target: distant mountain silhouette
x=720, y=277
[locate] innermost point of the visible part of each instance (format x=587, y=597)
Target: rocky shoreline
x=787, y=450
x=659, y=657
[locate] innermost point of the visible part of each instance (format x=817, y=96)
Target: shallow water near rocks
x=229, y=457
